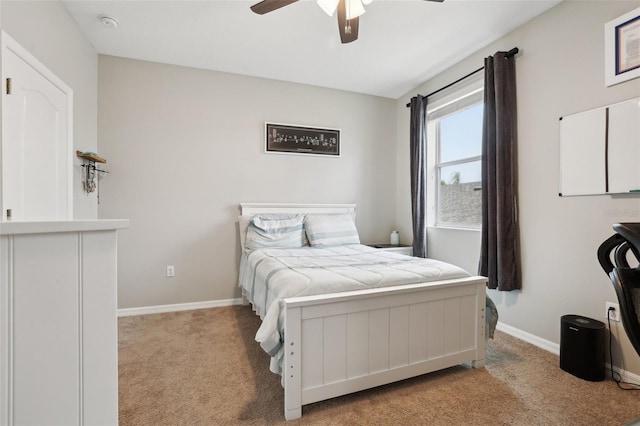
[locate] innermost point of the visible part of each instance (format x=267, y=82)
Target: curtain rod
x=509, y=54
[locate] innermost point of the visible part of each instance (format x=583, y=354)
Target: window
x=455, y=131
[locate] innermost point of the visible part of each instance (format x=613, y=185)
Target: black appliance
x=582, y=347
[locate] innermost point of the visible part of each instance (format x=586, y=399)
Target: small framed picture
x=622, y=48
x=301, y=140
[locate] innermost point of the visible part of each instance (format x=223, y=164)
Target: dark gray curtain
x=500, y=250
x=418, y=140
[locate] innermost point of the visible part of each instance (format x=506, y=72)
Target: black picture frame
x=622, y=63
x=301, y=140
x=621, y=38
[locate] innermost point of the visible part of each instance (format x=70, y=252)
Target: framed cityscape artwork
x=301, y=140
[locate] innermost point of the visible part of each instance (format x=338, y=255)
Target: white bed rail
x=346, y=342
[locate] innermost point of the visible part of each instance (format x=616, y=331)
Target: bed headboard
x=249, y=209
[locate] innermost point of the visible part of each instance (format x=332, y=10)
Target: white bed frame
x=340, y=343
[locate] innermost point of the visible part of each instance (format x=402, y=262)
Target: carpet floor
x=203, y=367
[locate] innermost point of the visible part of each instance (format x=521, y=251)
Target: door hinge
x=8, y=86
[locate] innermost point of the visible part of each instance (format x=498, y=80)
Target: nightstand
x=400, y=249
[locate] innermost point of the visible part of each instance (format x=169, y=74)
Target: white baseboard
x=159, y=309
x=626, y=376
x=554, y=348
x=547, y=345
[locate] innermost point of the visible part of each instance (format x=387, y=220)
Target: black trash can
x=582, y=347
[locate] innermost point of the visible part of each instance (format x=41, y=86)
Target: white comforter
x=267, y=276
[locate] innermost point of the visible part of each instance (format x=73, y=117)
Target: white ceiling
x=401, y=43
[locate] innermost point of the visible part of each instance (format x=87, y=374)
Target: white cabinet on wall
x=600, y=150
x=58, y=322
x=624, y=147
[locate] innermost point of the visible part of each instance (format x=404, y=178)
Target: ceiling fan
x=348, y=13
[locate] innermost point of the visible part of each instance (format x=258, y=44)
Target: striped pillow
x=275, y=230
x=331, y=230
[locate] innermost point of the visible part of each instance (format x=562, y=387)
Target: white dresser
x=58, y=322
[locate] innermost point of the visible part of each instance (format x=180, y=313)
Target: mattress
x=268, y=276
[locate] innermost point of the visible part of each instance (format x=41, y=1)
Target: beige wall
x=1, y=184
x=559, y=71
x=185, y=148
x=49, y=33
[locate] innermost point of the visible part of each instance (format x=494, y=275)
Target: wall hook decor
x=90, y=173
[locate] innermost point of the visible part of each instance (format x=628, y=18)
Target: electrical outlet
x=614, y=314
x=171, y=271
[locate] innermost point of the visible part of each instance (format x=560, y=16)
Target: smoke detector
x=109, y=21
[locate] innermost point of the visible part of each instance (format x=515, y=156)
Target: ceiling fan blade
x=439, y=1
x=348, y=28
x=266, y=6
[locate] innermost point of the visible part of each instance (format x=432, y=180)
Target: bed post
x=291, y=368
x=481, y=309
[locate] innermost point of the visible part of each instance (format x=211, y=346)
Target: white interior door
x=36, y=138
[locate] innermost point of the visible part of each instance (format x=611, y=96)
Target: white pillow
x=284, y=230
x=325, y=230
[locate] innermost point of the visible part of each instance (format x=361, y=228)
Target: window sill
x=453, y=228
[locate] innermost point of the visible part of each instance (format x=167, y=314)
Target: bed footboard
x=346, y=342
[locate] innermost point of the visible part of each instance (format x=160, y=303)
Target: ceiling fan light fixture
x=329, y=6
x=354, y=9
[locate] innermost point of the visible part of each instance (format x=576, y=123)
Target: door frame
x=7, y=43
